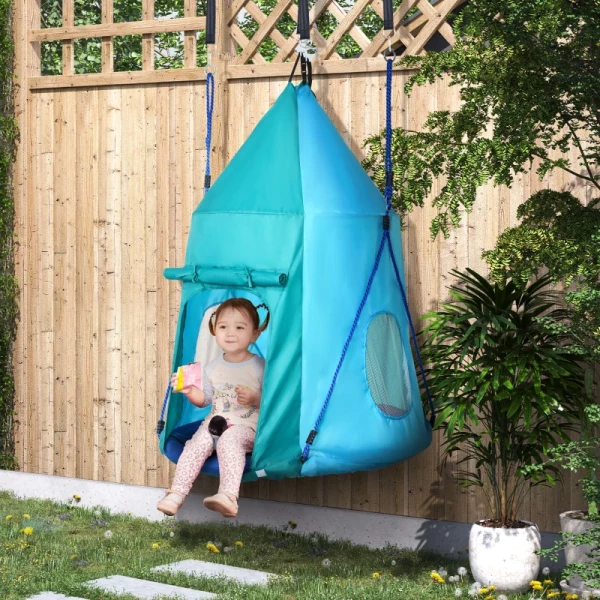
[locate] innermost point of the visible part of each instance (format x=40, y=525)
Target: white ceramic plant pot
x=505, y=558
x=571, y=523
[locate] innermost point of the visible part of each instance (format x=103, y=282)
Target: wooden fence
x=109, y=169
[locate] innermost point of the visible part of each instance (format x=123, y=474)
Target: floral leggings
x=231, y=450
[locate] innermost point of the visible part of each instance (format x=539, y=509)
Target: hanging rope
x=210, y=104
x=160, y=426
x=385, y=239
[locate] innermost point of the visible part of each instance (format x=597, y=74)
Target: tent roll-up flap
x=235, y=276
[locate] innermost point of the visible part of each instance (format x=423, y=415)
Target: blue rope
x=385, y=239
x=413, y=334
x=210, y=104
x=161, y=422
x=388, y=136
x=345, y=349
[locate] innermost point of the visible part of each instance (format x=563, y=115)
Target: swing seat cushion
x=180, y=435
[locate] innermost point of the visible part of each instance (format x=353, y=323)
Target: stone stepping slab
x=53, y=596
x=199, y=568
x=146, y=590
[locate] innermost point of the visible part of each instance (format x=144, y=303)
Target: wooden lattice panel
x=410, y=34
x=107, y=30
x=237, y=53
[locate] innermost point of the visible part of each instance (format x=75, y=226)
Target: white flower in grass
x=461, y=571
x=451, y=579
x=172, y=534
x=458, y=592
x=442, y=572
x=476, y=586
x=393, y=563
x=473, y=592
x=502, y=597
x=108, y=534
x=326, y=562
x=97, y=513
x=546, y=571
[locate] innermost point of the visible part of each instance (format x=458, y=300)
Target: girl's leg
x=231, y=450
x=194, y=455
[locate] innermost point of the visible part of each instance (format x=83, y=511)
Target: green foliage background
x=8, y=284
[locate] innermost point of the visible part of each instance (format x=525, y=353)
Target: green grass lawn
x=67, y=545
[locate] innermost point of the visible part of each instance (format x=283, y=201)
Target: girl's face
x=235, y=331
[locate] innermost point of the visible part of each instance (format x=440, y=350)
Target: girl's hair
x=244, y=306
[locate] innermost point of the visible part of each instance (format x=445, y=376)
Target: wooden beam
x=122, y=78
x=189, y=37
x=148, y=38
x=328, y=67
x=68, y=58
x=107, y=42
x=117, y=29
x=223, y=55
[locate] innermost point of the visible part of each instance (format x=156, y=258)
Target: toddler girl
x=233, y=383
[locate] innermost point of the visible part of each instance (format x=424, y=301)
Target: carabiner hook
x=209, y=68
x=391, y=55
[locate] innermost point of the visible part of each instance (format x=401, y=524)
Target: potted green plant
x=580, y=528
x=504, y=396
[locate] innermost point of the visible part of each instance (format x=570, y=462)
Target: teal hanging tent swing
x=294, y=222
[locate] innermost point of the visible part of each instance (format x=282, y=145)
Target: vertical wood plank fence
x=109, y=169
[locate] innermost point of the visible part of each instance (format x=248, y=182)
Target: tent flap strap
x=229, y=277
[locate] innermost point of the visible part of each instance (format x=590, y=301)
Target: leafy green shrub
x=575, y=456
x=504, y=394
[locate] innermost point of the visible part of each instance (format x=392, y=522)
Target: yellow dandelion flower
x=573, y=597
x=8, y=517
x=77, y=497
x=538, y=588
x=552, y=594
x=213, y=548
x=489, y=598
x=483, y=591
x=293, y=524
x=239, y=544
x=27, y=530
x=492, y=588
x=534, y=582
x=376, y=575
x=156, y=545
x=26, y=516
x=73, y=556
x=548, y=581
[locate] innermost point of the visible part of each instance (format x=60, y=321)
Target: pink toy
x=188, y=375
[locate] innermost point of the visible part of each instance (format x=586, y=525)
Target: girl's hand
x=247, y=396
x=185, y=390
x=191, y=392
